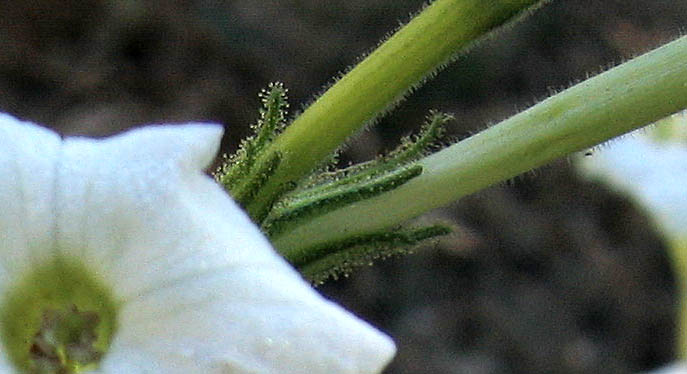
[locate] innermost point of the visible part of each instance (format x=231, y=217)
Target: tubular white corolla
x=129, y=229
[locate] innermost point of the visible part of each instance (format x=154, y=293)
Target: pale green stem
x=626, y=97
x=402, y=62
x=677, y=248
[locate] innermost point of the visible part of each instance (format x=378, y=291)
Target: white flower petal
x=119, y=199
x=202, y=289
x=205, y=328
x=28, y=155
x=27, y=173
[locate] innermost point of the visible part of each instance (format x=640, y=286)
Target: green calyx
x=58, y=318
x=339, y=258
x=286, y=178
x=245, y=174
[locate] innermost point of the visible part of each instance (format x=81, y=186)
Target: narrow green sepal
x=259, y=213
x=239, y=167
x=297, y=208
x=412, y=148
x=339, y=258
x=272, y=115
x=233, y=169
x=246, y=192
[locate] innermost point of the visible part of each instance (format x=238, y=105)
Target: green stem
x=677, y=248
x=404, y=61
x=624, y=98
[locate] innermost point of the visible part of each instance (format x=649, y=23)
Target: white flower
x=651, y=170
x=675, y=368
x=179, y=276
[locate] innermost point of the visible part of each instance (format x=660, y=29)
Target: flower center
x=58, y=318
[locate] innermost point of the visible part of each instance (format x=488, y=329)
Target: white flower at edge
x=676, y=368
x=198, y=288
x=650, y=166
x=652, y=171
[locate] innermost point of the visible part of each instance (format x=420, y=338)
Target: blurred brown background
x=546, y=274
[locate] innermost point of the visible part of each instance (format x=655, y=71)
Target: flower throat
x=58, y=318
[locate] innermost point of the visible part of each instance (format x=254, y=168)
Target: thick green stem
x=404, y=61
x=624, y=98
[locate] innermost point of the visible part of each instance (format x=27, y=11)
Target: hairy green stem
x=377, y=83
x=624, y=98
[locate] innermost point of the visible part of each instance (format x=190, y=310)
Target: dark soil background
x=546, y=274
